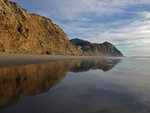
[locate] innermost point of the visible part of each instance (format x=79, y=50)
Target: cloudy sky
x=125, y=23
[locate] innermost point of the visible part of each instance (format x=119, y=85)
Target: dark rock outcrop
x=105, y=49
x=21, y=32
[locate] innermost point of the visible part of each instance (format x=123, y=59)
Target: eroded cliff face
x=21, y=32
x=94, y=49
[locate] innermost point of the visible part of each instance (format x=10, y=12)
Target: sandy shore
x=13, y=59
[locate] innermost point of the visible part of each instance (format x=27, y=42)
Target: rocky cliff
x=105, y=49
x=21, y=32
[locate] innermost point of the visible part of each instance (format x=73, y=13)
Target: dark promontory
x=104, y=49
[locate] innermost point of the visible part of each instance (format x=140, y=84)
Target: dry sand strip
x=13, y=59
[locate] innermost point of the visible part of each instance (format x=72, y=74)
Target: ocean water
x=105, y=85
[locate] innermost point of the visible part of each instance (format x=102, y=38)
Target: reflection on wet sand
x=18, y=82
x=103, y=64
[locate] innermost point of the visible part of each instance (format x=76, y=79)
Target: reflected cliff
x=103, y=64
x=18, y=82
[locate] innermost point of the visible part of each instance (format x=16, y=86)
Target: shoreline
x=15, y=59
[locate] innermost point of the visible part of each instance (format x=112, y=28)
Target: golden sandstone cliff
x=21, y=32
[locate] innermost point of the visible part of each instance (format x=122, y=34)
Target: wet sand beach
x=13, y=59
